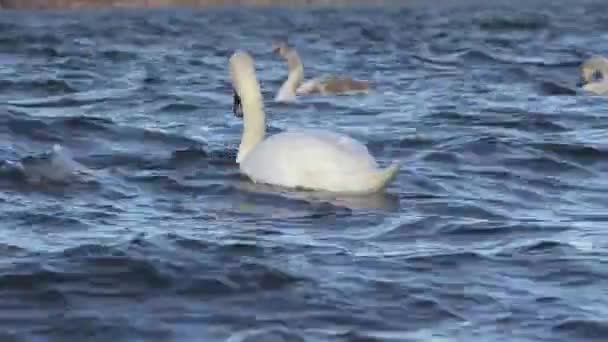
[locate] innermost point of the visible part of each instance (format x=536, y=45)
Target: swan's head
x=244, y=83
x=593, y=71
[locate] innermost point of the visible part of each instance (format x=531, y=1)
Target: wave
x=55, y=166
x=76, y=128
x=588, y=329
x=520, y=21
x=139, y=266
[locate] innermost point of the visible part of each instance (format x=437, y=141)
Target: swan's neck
x=295, y=76
x=254, y=128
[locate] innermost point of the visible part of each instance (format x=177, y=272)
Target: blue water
x=124, y=216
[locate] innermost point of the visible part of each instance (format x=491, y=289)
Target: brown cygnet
x=327, y=85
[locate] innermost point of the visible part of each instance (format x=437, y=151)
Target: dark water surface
x=138, y=227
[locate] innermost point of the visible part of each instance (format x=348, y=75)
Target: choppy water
x=139, y=227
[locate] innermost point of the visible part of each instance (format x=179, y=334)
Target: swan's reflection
x=376, y=201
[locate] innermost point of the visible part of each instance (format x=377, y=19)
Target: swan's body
x=295, y=84
x=308, y=159
x=594, y=75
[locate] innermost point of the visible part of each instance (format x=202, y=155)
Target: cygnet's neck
x=599, y=88
x=254, y=126
x=295, y=76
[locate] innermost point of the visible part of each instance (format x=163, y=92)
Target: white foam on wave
x=56, y=166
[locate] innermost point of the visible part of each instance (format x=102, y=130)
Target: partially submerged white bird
x=594, y=75
x=295, y=85
x=306, y=159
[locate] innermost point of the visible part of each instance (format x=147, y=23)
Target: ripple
x=515, y=22
x=133, y=269
x=83, y=326
x=28, y=219
x=49, y=86
x=118, y=55
x=577, y=152
x=178, y=108
x=579, y=328
x=269, y=334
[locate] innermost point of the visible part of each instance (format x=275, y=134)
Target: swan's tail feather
x=385, y=176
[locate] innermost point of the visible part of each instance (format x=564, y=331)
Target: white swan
x=295, y=85
x=308, y=159
x=594, y=75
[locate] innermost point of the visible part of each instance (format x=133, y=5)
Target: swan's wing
x=310, y=158
x=323, y=150
x=343, y=143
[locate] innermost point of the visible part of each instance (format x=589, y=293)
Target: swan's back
x=299, y=158
x=320, y=144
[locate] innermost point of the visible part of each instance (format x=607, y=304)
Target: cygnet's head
x=244, y=83
x=594, y=70
x=280, y=47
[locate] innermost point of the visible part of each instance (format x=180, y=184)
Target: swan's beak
x=237, y=109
